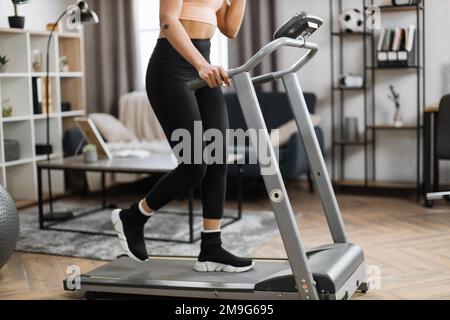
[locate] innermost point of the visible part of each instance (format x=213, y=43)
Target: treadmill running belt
x=179, y=273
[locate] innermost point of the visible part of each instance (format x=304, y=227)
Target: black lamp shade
x=86, y=15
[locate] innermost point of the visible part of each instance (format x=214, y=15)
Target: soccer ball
x=352, y=20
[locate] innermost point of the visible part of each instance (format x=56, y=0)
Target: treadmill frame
x=274, y=183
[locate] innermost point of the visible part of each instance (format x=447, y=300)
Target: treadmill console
x=300, y=25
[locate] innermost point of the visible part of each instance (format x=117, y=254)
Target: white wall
x=395, y=156
x=38, y=12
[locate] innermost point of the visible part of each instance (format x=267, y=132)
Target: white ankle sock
x=142, y=210
x=211, y=231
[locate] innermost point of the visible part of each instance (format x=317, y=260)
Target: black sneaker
x=213, y=258
x=129, y=225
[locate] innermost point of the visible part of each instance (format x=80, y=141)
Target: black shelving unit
x=339, y=95
x=371, y=127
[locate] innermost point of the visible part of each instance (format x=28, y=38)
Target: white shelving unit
x=20, y=176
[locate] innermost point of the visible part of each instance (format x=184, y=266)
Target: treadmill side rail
x=275, y=188
x=315, y=157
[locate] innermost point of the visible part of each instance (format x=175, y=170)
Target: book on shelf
x=39, y=96
x=387, y=40
x=410, y=38
x=396, y=47
x=397, y=39
x=381, y=39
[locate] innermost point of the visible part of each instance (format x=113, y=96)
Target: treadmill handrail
x=262, y=54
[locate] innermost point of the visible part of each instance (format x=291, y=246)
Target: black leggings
x=179, y=108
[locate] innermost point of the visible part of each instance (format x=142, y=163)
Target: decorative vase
x=64, y=64
x=351, y=133
x=16, y=22
x=398, y=120
x=37, y=60
x=3, y=68
x=90, y=156
x=7, y=108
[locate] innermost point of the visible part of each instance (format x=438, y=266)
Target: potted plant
x=395, y=97
x=17, y=21
x=90, y=153
x=3, y=62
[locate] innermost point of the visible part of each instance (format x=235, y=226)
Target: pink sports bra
x=201, y=10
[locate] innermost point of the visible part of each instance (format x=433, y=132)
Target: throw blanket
x=136, y=113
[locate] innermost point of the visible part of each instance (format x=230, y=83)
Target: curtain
x=257, y=30
x=111, y=55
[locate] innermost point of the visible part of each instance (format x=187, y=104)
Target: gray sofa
x=276, y=110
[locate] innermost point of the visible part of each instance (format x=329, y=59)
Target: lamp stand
x=52, y=215
x=86, y=16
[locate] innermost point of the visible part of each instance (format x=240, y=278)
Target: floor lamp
x=78, y=13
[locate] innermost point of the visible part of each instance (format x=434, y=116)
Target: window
x=148, y=28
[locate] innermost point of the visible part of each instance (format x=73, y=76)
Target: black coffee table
x=154, y=164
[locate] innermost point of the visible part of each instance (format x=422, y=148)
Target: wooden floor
x=408, y=244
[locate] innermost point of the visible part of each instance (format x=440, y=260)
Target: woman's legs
x=146, y=207
x=177, y=109
x=214, y=116
x=213, y=257
x=212, y=224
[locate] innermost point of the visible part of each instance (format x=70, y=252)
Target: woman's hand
x=214, y=76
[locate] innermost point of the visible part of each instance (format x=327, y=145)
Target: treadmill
x=331, y=272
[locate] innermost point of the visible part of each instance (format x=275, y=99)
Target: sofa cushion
x=111, y=128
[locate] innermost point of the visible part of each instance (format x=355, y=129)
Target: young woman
x=182, y=54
